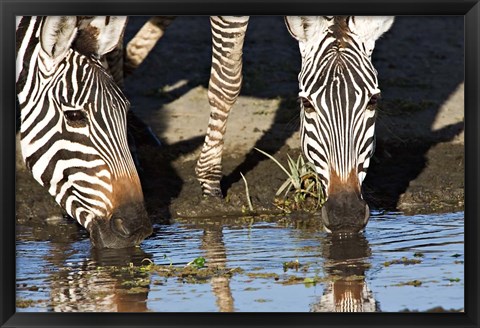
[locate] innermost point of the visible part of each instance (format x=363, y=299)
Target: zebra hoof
x=212, y=192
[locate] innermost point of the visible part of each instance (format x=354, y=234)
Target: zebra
x=338, y=96
x=339, y=91
x=73, y=125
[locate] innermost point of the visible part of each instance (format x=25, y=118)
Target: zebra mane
x=86, y=41
x=340, y=29
x=99, y=35
x=305, y=28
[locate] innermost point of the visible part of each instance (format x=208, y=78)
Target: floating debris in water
x=265, y=275
x=454, y=279
x=24, y=303
x=291, y=265
x=198, y=263
x=403, y=260
x=414, y=283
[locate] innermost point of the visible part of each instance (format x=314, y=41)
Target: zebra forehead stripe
x=339, y=78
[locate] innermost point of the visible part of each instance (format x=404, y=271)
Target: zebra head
x=73, y=125
x=338, y=92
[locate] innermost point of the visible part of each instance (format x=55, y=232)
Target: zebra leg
x=143, y=42
x=122, y=61
x=228, y=34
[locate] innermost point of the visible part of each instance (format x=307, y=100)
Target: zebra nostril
x=119, y=227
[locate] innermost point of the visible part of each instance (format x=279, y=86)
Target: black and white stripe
x=228, y=34
x=73, y=116
x=338, y=88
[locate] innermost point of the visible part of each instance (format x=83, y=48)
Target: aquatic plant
x=302, y=189
x=198, y=263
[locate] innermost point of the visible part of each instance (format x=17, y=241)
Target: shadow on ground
x=419, y=71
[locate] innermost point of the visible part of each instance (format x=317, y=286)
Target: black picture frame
x=10, y=8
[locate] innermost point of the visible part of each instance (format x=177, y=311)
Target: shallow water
x=400, y=263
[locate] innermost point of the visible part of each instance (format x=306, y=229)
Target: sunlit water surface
x=400, y=263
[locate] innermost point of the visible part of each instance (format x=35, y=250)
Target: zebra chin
x=127, y=227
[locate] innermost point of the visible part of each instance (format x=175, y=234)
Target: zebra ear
x=296, y=27
x=303, y=28
x=370, y=28
x=100, y=34
x=56, y=36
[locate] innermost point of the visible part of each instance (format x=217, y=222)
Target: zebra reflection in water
x=346, y=264
x=92, y=284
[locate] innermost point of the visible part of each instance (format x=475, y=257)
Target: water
x=399, y=263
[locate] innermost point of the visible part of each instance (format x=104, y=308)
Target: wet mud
x=399, y=180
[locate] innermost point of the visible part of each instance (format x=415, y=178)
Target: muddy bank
x=399, y=179
x=418, y=166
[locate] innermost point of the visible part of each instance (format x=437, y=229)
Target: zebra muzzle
x=345, y=212
x=122, y=230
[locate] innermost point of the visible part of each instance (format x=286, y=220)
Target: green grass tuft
x=302, y=189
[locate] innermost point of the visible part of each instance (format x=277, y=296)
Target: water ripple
x=400, y=262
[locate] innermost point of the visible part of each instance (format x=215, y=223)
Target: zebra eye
x=307, y=105
x=372, y=103
x=76, y=117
